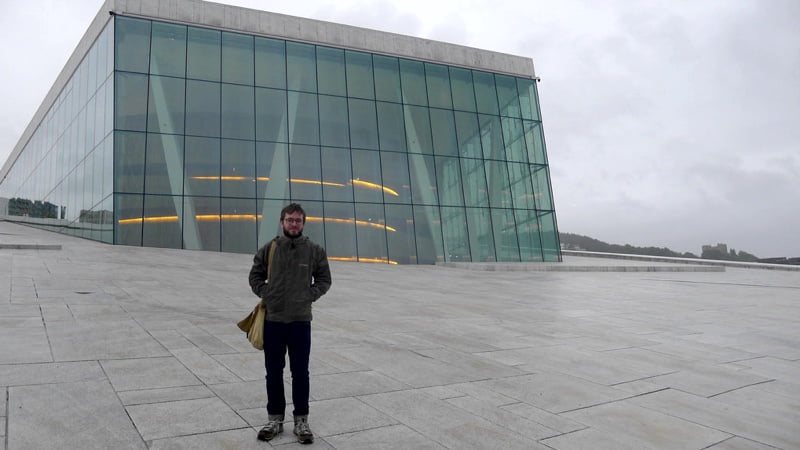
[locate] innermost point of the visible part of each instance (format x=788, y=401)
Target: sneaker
x=302, y=431
x=273, y=427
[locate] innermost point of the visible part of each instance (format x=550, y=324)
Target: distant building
x=189, y=124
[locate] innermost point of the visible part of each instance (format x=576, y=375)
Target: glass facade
x=186, y=137
x=63, y=179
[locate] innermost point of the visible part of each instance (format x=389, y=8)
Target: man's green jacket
x=299, y=276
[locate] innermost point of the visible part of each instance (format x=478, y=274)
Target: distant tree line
x=571, y=241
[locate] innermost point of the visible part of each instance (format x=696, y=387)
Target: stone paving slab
x=144, y=342
x=84, y=415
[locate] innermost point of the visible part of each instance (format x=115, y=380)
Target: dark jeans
x=278, y=337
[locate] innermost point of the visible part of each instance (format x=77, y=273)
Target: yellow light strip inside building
x=360, y=183
x=251, y=217
x=365, y=260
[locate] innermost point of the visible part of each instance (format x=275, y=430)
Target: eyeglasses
x=290, y=220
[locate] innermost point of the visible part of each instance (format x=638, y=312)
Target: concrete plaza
x=122, y=347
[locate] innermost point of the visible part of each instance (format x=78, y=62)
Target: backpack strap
x=272, y=246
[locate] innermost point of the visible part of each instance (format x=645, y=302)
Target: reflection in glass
x=237, y=58
x=428, y=226
x=165, y=231
x=203, y=54
x=238, y=169
x=238, y=221
x=330, y=71
x=359, y=75
x=168, y=49
x=270, y=62
x=371, y=239
x=202, y=108
x=202, y=166
x=300, y=67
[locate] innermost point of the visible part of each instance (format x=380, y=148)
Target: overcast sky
x=671, y=124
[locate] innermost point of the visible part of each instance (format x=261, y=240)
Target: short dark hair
x=291, y=209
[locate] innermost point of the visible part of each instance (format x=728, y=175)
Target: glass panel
x=268, y=219
x=359, y=75
x=528, y=99
x=366, y=176
x=449, y=180
x=513, y=137
x=387, y=78
x=202, y=222
x=128, y=219
x=550, y=243
x=314, y=228
x=202, y=108
x=165, y=105
x=541, y=187
x=330, y=71
x=303, y=118
x=238, y=225
x=168, y=49
x=129, y=162
x=107, y=231
x=271, y=116
x=412, y=80
x=340, y=230
x=469, y=138
x=535, y=142
x=238, y=115
x=108, y=167
x=305, y=172
x=444, y=132
x=203, y=54
x=202, y=166
x=390, y=127
x=99, y=116
x=333, y=125
x=371, y=233
x=131, y=110
x=164, y=164
x=400, y=234
x=132, y=44
x=337, y=174
x=507, y=95
x=423, y=179
x=481, y=238
x=492, y=137
x=530, y=245
x=521, y=188
x=418, y=130
x=428, y=226
x=454, y=230
x=97, y=176
x=497, y=181
x=485, y=92
x=397, y=187
x=363, y=124
x=270, y=63
x=438, y=82
x=238, y=169
x=237, y=58
x=300, y=62
x=272, y=171
x=505, y=235
x=162, y=225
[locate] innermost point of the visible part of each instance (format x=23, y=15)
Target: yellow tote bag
x=253, y=324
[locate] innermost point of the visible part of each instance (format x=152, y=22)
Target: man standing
x=298, y=277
